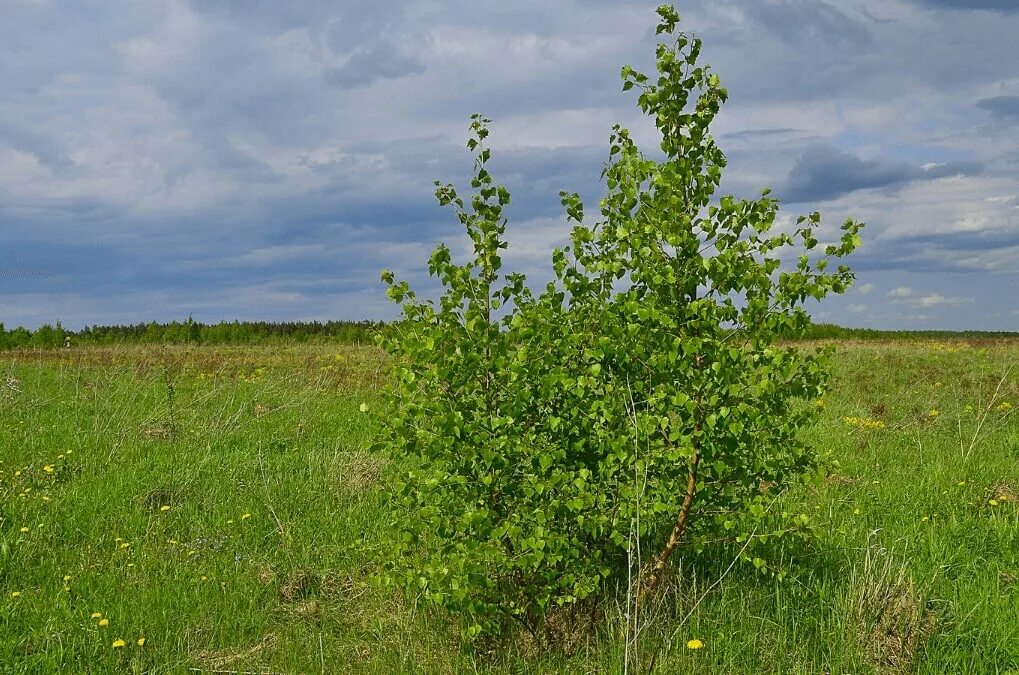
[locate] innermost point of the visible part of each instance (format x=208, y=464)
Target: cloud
x=905, y=295
x=823, y=173
x=1002, y=107
x=936, y=299
x=261, y=159
x=900, y=292
x=369, y=65
x=993, y=5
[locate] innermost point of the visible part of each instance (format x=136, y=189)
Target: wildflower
x=993, y=502
x=24, y=530
x=104, y=622
x=932, y=413
x=48, y=468
x=95, y=615
x=16, y=594
x=17, y=473
x=118, y=643
x=164, y=507
x=67, y=577
x=141, y=642
x=363, y=407
x=695, y=644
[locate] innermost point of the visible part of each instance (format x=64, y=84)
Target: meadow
x=218, y=509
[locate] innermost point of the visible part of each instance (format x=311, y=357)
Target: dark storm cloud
x=969, y=5
x=823, y=173
x=1002, y=107
x=367, y=66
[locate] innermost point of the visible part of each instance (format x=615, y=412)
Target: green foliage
x=547, y=438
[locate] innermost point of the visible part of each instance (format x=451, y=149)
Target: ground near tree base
x=210, y=510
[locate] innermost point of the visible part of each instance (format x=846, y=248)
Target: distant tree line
x=50, y=336
x=830, y=331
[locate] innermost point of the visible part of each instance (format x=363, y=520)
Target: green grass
x=914, y=569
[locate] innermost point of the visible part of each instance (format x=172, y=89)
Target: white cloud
x=936, y=299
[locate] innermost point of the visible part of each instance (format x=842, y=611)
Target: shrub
x=642, y=397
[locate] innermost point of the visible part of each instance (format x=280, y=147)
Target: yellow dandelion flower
x=245, y=516
x=67, y=577
x=104, y=622
x=118, y=643
x=48, y=468
x=125, y=544
x=363, y=407
x=95, y=615
x=24, y=530
x=933, y=413
x=695, y=644
x=16, y=594
x=141, y=642
x=993, y=502
x=17, y=473
x=164, y=507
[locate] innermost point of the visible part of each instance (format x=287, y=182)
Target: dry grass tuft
x=354, y=472
x=894, y=619
x=1004, y=493
x=223, y=658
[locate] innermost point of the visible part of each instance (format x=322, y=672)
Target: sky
x=263, y=160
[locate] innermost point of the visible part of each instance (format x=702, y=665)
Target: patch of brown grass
x=893, y=617
x=223, y=658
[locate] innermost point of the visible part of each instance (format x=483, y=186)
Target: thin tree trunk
x=657, y=571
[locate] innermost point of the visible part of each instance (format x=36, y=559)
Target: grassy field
x=218, y=510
